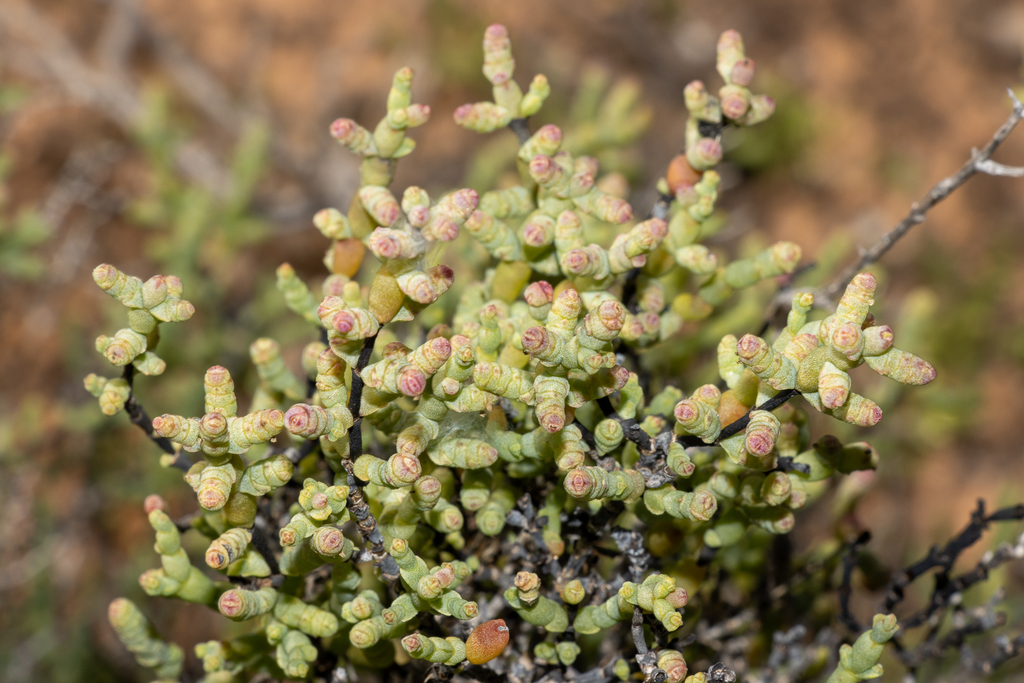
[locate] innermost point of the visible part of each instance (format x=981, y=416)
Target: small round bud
x=412, y=382
x=704, y=154
x=579, y=483
x=539, y=293
x=328, y=540
x=574, y=592
x=742, y=72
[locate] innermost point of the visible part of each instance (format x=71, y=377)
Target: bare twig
x=365, y=521
x=259, y=542
x=978, y=163
x=845, y=587
x=138, y=416
x=943, y=560
x=647, y=659
x=521, y=127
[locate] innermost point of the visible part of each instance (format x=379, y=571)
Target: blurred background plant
x=189, y=138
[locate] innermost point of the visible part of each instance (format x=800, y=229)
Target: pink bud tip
x=496, y=31
x=153, y=502
x=230, y=603
x=865, y=281
x=612, y=314
x=551, y=133
x=658, y=228
x=576, y=261
x=442, y=275
x=441, y=346
x=734, y=106
x=465, y=201
x=341, y=129
x=709, y=393
x=388, y=212
x=621, y=212
x=329, y=540
x=579, y=483
x=463, y=113
x=708, y=150
x=445, y=229
x=535, y=339
x=621, y=376
x=104, y=275
x=542, y=167
x=677, y=598
x=553, y=422
x=212, y=499
x=583, y=182
x=833, y=397
x=419, y=215
x=213, y=424
x=569, y=296
x=872, y=417
x=412, y=382
x=319, y=501
x=428, y=486
x=299, y=418
x=886, y=336
x=748, y=346
x=217, y=375
x=344, y=321
x=848, y=337
x=695, y=89
x=760, y=442
x=534, y=235
x=926, y=372
x=384, y=244
x=633, y=329
x=686, y=411
x=729, y=39
x=539, y=293
x=406, y=467
x=704, y=505
x=743, y=72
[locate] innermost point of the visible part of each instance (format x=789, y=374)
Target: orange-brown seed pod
x=347, y=256
x=730, y=408
x=680, y=174
x=487, y=641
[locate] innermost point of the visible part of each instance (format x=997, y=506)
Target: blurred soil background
x=190, y=138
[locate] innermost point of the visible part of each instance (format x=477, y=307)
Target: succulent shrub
x=490, y=482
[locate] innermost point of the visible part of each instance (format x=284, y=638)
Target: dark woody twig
x=978, y=163
x=845, y=586
x=647, y=660
x=360, y=509
x=138, y=416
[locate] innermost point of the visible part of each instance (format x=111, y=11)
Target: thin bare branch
x=979, y=163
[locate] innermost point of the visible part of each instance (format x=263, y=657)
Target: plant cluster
x=502, y=490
